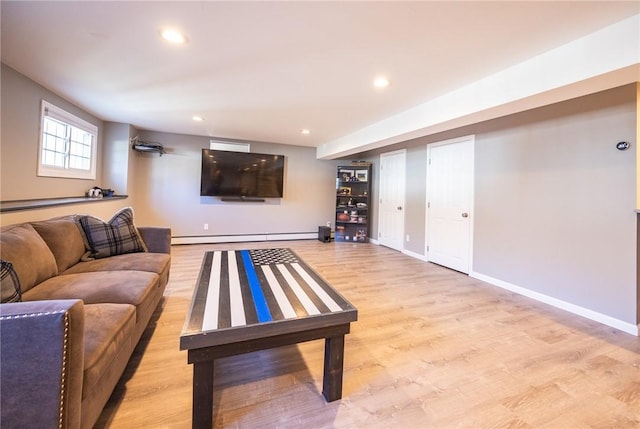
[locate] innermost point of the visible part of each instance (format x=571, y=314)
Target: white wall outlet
x=206, y=226
x=407, y=238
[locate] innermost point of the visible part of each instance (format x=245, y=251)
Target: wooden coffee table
x=249, y=300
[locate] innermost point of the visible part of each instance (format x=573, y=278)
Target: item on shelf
x=345, y=175
x=98, y=192
x=343, y=217
x=362, y=175
x=94, y=192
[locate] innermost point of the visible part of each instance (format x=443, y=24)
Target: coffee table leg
x=202, y=412
x=333, y=361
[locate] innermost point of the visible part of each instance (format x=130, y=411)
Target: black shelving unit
x=353, y=189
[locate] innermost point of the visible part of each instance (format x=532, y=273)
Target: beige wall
x=163, y=190
x=554, y=206
x=19, y=140
x=117, y=160
x=167, y=190
x=103, y=209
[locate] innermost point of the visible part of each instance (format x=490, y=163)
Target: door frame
x=430, y=146
x=402, y=152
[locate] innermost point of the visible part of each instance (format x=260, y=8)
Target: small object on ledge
x=98, y=192
x=94, y=192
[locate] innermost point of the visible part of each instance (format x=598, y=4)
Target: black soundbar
x=243, y=199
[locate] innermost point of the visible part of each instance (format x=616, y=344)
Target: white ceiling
x=264, y=70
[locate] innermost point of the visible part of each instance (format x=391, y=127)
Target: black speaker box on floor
x=324, y=234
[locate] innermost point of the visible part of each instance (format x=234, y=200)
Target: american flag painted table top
x=242, y=295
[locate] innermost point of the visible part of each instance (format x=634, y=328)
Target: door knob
x=399, y=207
x=465, y=214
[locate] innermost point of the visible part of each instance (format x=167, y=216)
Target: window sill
x=17, y=205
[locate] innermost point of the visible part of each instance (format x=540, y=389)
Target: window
x=67, y=145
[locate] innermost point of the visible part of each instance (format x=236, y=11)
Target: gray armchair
x=41, y=362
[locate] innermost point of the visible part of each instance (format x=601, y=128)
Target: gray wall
x=554, y=201
x=118, y=159
x=163, y=190
x=415, y=193
x=167, y=191
x=554, y=205
x=416, y=199
x=21, y=104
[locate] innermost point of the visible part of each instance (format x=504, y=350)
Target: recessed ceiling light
x=198, y=118
x=381, y=82
x=305, y=131
x=174, y=36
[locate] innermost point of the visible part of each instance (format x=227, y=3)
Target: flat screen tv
x=241, y=174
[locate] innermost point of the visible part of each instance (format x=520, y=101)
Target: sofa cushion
x=116, y=237
x=117, y=287
x=151, y=262
x=21, y=245
x=107, y=330
x=64, y=238
x=9, y=284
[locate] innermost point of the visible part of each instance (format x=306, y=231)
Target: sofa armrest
x=41, y=363
x=157, y=239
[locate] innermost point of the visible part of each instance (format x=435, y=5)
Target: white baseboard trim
x=563, y=305
x=298, y=236
x=406, y=252
x=211, y=239
x=415, y=255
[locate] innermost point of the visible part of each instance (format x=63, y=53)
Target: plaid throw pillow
x=10, y=285
x=115, y=237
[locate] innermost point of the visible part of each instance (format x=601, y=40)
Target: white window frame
x=67, y=118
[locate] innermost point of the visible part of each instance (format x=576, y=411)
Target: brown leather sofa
x=66, y=345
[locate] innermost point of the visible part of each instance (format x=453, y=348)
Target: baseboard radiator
x=239, y=238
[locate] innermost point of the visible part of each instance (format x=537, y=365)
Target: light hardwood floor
x=432, y=348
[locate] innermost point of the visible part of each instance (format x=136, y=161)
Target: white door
x=391, y=202
x=450, y=203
